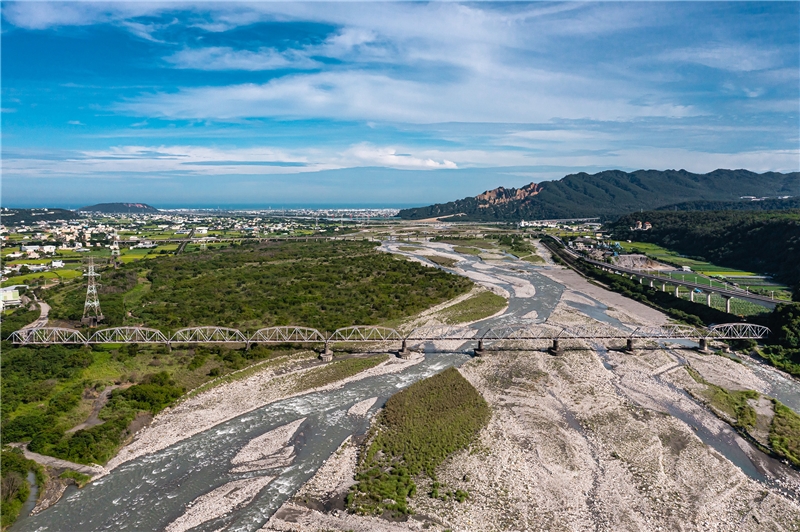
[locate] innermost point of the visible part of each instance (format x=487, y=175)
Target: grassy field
x=27, y=278
x=415, y=432
x=705, y=272
x=475, y=308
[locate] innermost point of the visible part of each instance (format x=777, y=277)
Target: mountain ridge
x=609, y=194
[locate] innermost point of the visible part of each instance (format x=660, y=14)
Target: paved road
x=41, y=321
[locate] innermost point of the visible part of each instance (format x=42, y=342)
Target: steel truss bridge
x=497, y=335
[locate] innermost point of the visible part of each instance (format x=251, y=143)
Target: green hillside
x=759, y=241
x=610, y=194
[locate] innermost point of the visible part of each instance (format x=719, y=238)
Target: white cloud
x=76, y=123
x=731, y=57
x=226, y=58
x=511, y=97
x=369, y=155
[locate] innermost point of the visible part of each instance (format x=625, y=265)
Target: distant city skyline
x=390, y=104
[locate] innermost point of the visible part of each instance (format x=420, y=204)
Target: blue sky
x=269, y=104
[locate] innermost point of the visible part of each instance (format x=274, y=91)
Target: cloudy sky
x=383, y=103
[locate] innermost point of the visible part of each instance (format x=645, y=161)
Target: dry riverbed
x=585, y=440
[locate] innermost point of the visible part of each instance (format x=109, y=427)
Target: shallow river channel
x=153, y=491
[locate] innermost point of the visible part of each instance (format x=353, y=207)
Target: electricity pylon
x=92, y=314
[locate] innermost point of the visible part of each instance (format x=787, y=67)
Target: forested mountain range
x=760, y=241
x=610, y=194
x=741, y=205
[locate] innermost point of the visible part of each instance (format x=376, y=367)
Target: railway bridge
x=499, y=337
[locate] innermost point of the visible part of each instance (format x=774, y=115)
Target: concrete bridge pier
x=327, y=354
x=703, y=345
x=641, y=280
x=728, y=304
x=629, y=345
x=555, y=350
x=479, y=350
x=708, y=299
x=677, y=291
x=404, y=352
x=651, y=283
x=663, y=287
x=691, y=296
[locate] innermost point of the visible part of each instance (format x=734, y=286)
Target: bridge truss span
x=360, y=333
x=128, y=335
x=442, y=332
x=599, y=331
x=533, y=331
x=46, y=336
x=208, y=335
x=668, y=332
x=737, y=331
x=287, y=335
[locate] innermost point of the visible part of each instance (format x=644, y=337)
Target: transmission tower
x=92, y=314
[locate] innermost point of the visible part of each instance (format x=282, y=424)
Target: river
x=152, y=491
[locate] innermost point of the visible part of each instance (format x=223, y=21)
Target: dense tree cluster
x=322, y=285
x=759, y=241
x=14, y=487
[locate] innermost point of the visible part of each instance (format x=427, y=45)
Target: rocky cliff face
x=502, y=195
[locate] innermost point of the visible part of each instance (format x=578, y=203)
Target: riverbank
x=227, y=401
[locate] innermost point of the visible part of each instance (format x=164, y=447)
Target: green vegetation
x=467, y=251
x=97, y=444
x=784, y=353
x=14, y=486
x=80, y=479
x=17, y=319
x=442, y=261
x=784, y=435
x=732, y=403
x=784, y=432
x=338, y=370
x=753, y=241
x=611, y=193
x=325, y=285
x=415, y=432
x=475, y=308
